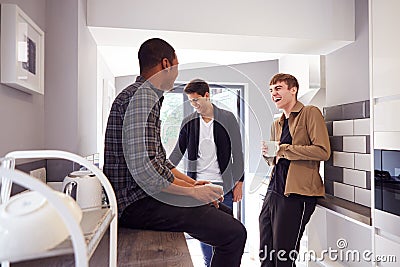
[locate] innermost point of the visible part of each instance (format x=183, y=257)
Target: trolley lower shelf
x=94, y=224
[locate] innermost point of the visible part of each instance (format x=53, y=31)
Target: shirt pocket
x=300, y=136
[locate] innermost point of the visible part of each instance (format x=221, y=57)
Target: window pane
x=171, y=117
x=225, y=98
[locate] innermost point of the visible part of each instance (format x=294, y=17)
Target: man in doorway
x=211, y=137
x=151, y=193
x=295, y=182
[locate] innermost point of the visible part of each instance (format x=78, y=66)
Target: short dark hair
x=197, y=86
x=153, y=51
x=289, y=79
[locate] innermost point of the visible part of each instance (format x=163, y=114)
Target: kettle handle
x=70, y=189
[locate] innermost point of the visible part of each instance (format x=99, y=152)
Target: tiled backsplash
x=347, y=173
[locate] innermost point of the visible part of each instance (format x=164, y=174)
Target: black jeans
x=282, y=222
x=205, y=223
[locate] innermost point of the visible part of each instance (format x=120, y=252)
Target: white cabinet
x=387, y=238
x=385, y=114
x=386, y=130
x=385, y=47
x=387, y=140
x=387, y=252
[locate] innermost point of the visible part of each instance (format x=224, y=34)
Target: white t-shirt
x=207, y=163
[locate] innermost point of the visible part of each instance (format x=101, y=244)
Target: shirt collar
x=215, y=112
x=296, y=109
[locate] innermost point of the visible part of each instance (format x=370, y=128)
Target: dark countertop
x=349, y=209
x=346, y=208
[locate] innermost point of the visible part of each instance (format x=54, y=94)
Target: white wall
x=22, y=114
x=105, y=78
x=297, y=65
x=309, y=71
x=65, y=116
x=61, y=75
x=71, y=79
x=87, y=86
x=123, y=81
x=35, y=9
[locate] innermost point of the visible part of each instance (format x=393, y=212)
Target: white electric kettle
x=85, y=188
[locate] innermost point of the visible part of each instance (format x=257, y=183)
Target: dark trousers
x=282, y=222
x=205, y=223
x=207, y=249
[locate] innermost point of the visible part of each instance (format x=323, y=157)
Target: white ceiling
x=119, y=47
x=244, y=31
x=122, y=60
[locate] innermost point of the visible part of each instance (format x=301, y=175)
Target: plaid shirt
x=134, y=158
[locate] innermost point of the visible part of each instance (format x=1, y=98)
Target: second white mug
x=272, y=147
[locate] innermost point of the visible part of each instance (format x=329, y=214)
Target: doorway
x=176, y=107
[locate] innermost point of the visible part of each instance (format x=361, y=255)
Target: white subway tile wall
x=355, y=144
x=354, y=177
x=349, y=129
x=344, y=191
x=343, y=128
x=362, y=196
x=343, y=159
x=362, y=127
x=362, y=162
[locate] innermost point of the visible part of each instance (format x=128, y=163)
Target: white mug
x=220, y=187
x=272, y=147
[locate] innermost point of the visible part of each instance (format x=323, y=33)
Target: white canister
x=85, y=188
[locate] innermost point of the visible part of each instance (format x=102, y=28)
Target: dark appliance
x=387, y=191
x=387, y=181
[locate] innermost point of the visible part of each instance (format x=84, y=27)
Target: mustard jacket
x=310, y=145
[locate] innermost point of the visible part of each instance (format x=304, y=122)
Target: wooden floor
x=149, y=248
